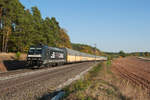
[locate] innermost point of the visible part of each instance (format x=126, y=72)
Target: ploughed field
x=133, y=69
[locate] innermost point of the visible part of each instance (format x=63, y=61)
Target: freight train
x=52, y=56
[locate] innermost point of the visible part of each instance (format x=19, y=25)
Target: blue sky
x=113, y=25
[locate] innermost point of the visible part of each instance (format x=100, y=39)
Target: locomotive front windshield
x=33, y=51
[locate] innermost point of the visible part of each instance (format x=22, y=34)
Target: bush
x=122, y=54
x=18, y=55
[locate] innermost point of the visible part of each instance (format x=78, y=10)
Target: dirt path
x=133, y=69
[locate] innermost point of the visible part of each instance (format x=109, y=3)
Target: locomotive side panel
x=55, y=56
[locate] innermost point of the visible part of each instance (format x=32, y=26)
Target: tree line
x=143, y=54
x=121, y=53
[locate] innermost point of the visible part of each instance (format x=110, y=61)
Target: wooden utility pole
x=95, y=52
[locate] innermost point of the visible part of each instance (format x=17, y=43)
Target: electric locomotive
x=45, y=56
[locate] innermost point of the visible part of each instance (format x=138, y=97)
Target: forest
x=20, y=28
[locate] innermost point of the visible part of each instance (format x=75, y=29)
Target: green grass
x=83, y=84
x=95, y=70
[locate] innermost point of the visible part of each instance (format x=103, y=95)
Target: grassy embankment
x=101, y=84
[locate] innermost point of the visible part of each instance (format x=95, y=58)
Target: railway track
x=39, y=80
x=24, y=72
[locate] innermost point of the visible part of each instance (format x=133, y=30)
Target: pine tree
x=37, y=24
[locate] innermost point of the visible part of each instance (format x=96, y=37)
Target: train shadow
x=14, y=64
